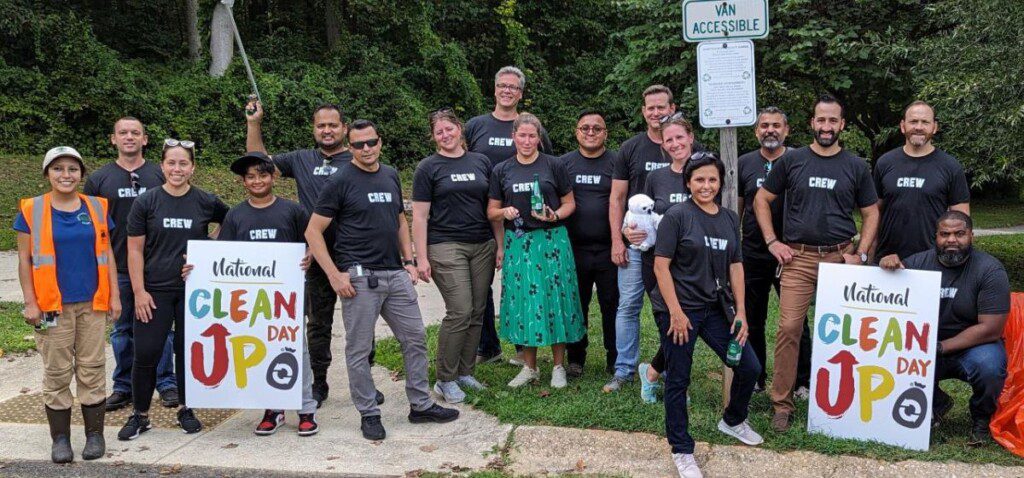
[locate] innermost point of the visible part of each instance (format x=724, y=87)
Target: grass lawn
x=997, y=213
x=13, y=330
x=583, y=405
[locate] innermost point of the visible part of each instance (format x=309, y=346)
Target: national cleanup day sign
x=244, y=325
x=873, y=354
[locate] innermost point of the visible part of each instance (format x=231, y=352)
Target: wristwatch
x=408, y=262
x=863, y=257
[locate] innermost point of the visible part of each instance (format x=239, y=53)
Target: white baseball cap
x=61, y=152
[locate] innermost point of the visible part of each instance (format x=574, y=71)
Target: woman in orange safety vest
x=65, y=268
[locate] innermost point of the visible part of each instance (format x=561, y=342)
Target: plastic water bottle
x=735, y=350
x=536, y=199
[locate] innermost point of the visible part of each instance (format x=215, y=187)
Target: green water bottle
x=536, y=199
x=735, y=350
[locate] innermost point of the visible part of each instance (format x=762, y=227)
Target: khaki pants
x=74, y=345
x=799, y=282
x=463, y=274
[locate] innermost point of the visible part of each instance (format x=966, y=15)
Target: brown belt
x=820, y=249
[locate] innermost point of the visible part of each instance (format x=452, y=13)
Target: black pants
x=650, y=283
x=320, y=302
x=710, y=325
x=595, y=267
x=759, y=276
x=490, y=344
x=150, y=338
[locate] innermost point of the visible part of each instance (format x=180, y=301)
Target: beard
x=770, y=142
x=826, y=142
x=953, y=257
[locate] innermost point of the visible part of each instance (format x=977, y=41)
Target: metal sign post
x=241, y=49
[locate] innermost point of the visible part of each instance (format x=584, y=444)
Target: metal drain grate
x=29, y=409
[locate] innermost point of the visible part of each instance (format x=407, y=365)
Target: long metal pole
x=241, y=49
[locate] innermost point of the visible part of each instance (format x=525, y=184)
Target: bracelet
x=555, y=213
x=773, y=241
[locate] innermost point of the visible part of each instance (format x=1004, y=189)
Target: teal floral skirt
x=540, y=299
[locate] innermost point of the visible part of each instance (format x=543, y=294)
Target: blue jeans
x=710, y=325
x=121, y=340
x=627, y=317
x=984, y=368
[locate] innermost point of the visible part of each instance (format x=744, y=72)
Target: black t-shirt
x=915, y=192
x=115, y=183
x=310, y=168
x=752, y=171
x=592, y=186
x=456, y=189
x=281, y=221
x=821, y=193
x=492, y=137
x=365, y=207
x=667, y=188
x=979, y=287
x=512, y=184
x=169, y=222
x=701, y=247
x=638, y=156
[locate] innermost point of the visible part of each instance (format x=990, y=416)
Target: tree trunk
x=331, y=23
x=222, y=40
x=192, y=27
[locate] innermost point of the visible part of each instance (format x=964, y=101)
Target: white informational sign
x=244, y=325
x=724, y=19
x=873, y=354
x=725, y=84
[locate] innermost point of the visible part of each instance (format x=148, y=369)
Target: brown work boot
x=781, y=422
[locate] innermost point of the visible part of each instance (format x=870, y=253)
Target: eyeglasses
x=699, y=155
x=174, y=143
x=507, y=86
x=363, y=144
x=591, y=129
x=672, y=117
x=134, y=177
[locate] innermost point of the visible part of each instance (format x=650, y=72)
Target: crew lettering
x=262, y=234
x=499, y=141
x=324, y=170
x=716, y=243
x=947, y=293
x=464, y=177
x=174, y=223
x=910, y=183
x=379, y=197
x=588, y=179
x=760, y=182
x=649, y=166
x=129, y=192
x=522, y=187
x=677, y=198
x=822, y=183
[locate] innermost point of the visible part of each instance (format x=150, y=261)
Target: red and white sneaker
x=307, y=425
x=272, y=420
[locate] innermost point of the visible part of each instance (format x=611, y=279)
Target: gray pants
x=308, y=403
x=394, y=299
x=463, y=274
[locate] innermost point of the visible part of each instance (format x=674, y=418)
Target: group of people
x=492, y=197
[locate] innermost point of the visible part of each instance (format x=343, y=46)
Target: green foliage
x=1010, y=251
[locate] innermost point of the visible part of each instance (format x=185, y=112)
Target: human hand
x=144, y=304
x=782, y=252
x=342, y=285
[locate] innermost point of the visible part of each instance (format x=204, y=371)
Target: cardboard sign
x=873, y=354
x=244, y=325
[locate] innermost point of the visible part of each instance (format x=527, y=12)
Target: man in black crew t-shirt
x=311, y=168
x=916, y=183
x=973, y=304
x=120, y=182
x=759, y=266
x=638, y=156
x=373, y=270
x=491, y=135
x=823, y=184
x=590, y=171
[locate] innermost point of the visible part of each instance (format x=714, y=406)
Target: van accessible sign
x=724, y=19
x=873, y=354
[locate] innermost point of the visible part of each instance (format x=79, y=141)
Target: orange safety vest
x=37, y=212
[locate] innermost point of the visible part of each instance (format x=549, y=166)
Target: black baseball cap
x=241, y=165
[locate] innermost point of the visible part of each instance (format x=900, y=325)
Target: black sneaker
x=379, y=397
x=941, y=405
x=272, y=420
x=187, y=421
x=320, y=392
x=574, y=370
x=118, y=400
x=135, y=426
x=307, y=425
x=372, y=428
x=169, y=398
x=435, y=413
x=980, y=434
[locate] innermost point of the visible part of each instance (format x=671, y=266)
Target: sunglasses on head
x=447, y=110
x=174, y=143
x=672, y=117
x=699, y=155
x=357, y=145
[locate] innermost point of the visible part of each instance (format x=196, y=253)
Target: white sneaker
x=450, y=391
x=526, y=375
x=741, y=432
x=802, y=393
x=558, y=379
x=686, y=465
x=518, y=360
